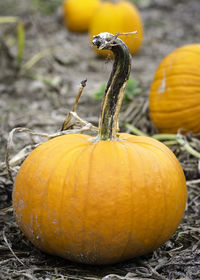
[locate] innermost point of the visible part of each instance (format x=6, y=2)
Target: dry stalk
x=12, y=162
x=11, y=250
x=66, y=125
x=67, y=128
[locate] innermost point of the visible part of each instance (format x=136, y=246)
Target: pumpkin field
x=99, y=140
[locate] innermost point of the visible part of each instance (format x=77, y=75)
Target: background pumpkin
x=101, y=200
x=114, y=17
x=174, y=99
x=78, y=14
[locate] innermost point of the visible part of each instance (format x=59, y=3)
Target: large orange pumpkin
x=118, y=16
x=101, y=200
x=174, y=99
x=78, y=14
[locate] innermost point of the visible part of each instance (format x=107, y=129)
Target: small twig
x=122, y=33
x=192, y=182
x=66, y=125
x=187, y=147
x=110, y=43
x=5, y=210
x=170, y=142
x=163, y=136
x=29, y=276
x=135, y=130
x=11, y=250
x=84, y=123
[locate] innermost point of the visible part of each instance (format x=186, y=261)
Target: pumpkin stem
x=114, y=92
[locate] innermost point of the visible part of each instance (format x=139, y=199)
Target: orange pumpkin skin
x=99, y=203
x=122, y=16
x=174, y=100
x=78, y=14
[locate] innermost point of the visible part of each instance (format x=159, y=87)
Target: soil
x=40, y=94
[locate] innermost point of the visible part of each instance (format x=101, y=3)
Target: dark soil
x=40, y=95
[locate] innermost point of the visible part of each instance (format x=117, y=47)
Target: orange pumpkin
x=114, y=17
x=78, y=14
x=174, y=99
x=101, y=200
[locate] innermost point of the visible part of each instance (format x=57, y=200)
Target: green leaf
x=20, y=35
x=100, y=92
x=20, y=42
x=131, y=90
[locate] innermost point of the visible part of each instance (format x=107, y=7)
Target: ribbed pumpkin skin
x=78, y=14
x=122, y=16
x=174, y=99
x=99, y=203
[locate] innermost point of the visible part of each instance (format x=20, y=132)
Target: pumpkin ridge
x=132, y=200
x=167, y=110
x=155, y=155
x=133, y=147
x=25, y=169
x=160, y=77
x=60, y=221
x=86, y=197
x=70, y=171
x=161, y=231
x=124, y=248
x=141, y=141
x=51, y=174
x=165, y=195
x=143, y=163
x=171, y=96
x=171, y=158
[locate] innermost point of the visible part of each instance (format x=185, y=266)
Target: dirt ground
x=39, y=96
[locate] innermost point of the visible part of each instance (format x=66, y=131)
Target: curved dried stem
x=67, y=122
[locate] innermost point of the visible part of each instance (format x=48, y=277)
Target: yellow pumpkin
x=78, y=14
x=114, y=17
x=174, y=99
x=101, y=200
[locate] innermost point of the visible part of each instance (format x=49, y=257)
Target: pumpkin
x=174, y=99
x=118, y=16
x=104, y=199
x=78, y=14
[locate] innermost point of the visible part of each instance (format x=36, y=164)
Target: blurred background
x=42, y=63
